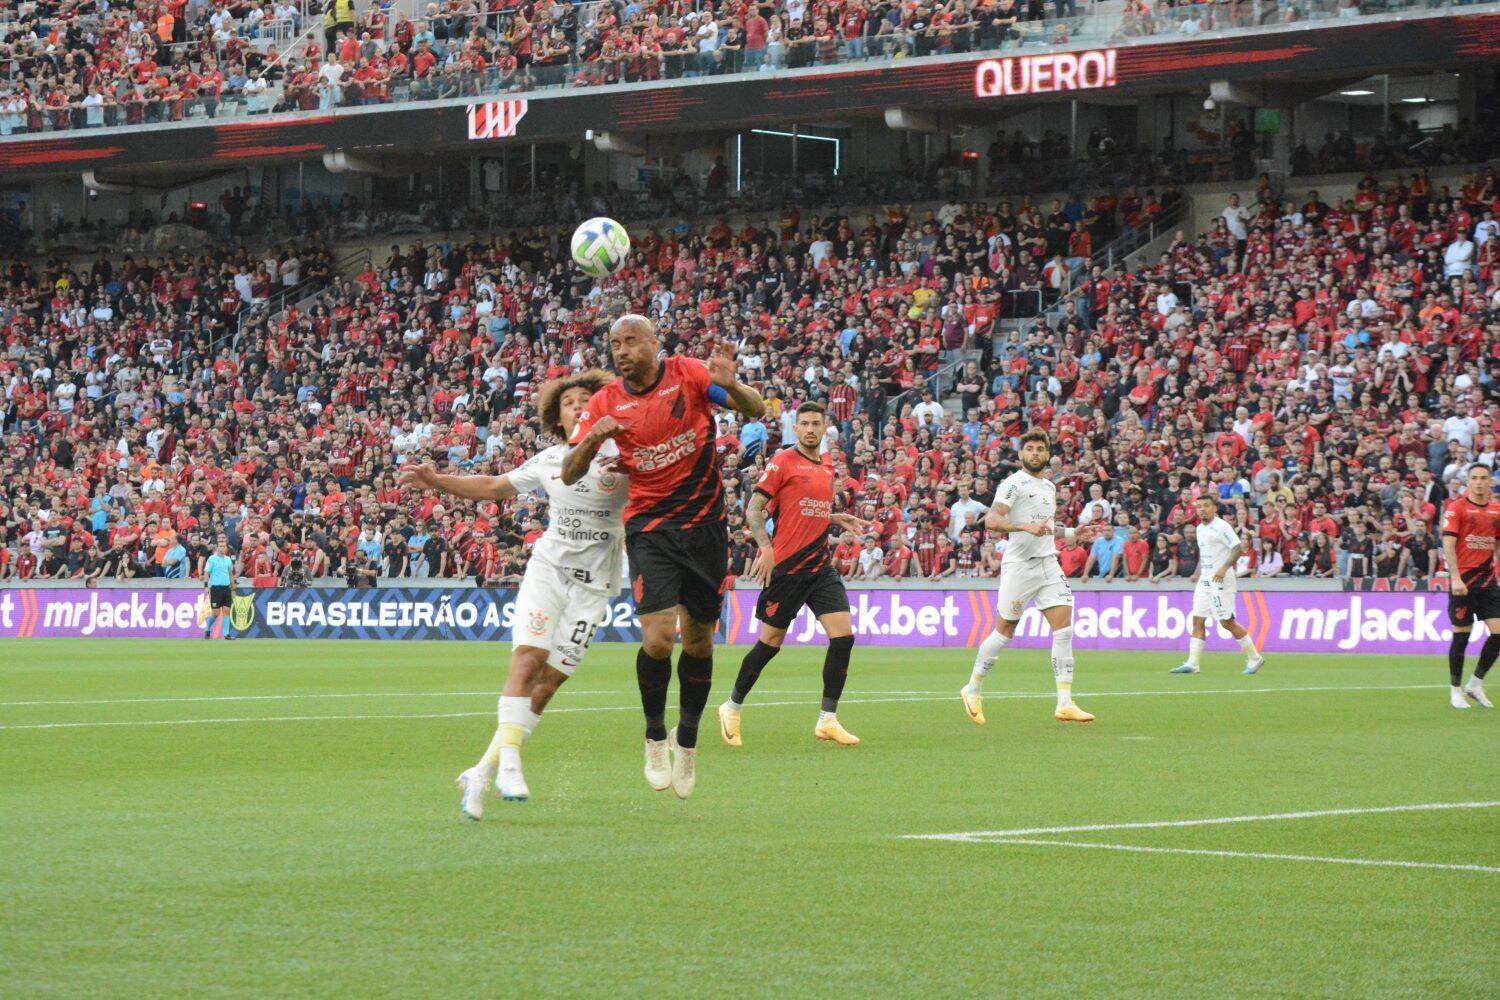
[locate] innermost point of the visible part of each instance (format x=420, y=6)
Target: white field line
x=1008, y=836
x=1262, y=855
x=931, y=695
x=636, y=707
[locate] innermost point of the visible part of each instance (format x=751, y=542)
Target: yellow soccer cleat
x=729, y=724
x=1072, y=713
x=973, y=704
x=831, y=729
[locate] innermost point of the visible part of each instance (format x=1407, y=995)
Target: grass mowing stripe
x=993, y=835
x=624, y=708
x=1260, y=855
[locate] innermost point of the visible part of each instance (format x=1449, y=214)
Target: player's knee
x=658, y=647
x=697, y=638
x=545, y=686
x=842, y=643
x=1062, y=638
x=526, y=664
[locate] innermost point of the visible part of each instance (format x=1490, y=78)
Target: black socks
x=653, y=676
x=695, y=676
x=836, y=670
x=1487, y=654
x=1456, y=650
x=754, y=662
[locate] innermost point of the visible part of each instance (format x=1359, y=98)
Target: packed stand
x=1327, y=369
x=72, y=65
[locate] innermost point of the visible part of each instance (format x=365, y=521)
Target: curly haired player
x=573, y=572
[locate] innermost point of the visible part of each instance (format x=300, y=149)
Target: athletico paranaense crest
x=495, y=119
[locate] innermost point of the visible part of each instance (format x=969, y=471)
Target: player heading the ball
x=658, y=418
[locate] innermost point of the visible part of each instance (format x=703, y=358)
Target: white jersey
x=1030, y=499
x=585, y=528
x=1216, y=540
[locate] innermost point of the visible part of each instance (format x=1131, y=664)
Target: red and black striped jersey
x=800, y=492
x=1475, y=528
x=666, y=447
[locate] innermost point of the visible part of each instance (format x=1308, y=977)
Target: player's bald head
x=633, y=344
x=633, y=323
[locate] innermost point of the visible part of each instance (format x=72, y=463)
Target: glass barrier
x=239, y=70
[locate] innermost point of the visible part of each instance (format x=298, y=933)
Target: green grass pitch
x=296, y=833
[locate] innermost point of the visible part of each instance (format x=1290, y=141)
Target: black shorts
x=220, y=597
x=1480, y=602
x=672, y=566
x=821, y=590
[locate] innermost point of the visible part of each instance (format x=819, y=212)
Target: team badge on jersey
x=537, y=623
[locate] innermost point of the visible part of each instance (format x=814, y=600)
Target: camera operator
x=362, y=572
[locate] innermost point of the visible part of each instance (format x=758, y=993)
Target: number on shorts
x=583, y=633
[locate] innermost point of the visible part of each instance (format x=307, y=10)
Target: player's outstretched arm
x=426, y=477
x=581, y=455
x=741, y=398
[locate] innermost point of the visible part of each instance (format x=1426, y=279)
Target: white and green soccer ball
x=600, y=247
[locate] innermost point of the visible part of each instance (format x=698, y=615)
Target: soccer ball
x=600, y=247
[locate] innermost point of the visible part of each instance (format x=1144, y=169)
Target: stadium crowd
x=73, y=65
x=1328, y=370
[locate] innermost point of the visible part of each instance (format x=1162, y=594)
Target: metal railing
x=1117, y=251
x=717, y=53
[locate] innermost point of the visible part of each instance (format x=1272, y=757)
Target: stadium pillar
x=794, y=156
x=533, y=168
x=1073, y=129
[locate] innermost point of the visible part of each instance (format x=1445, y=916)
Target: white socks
x=1247, y=645
x=1195, y=651
x=825, y=716
x=984, y=660
x=514, y=710
x=1062, y=664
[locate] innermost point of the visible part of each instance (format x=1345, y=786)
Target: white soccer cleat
x=684, y=766
x=658, y=767
x=1188, y=667
x=1456, y=698
x=1253, y=663
x=511, y=785
x=1475, y=690
x=471, y=785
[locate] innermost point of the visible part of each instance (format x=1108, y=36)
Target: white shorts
x=557, y=614
x=1214, y=601
x=1035, y=581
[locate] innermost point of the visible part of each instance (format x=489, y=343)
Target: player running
x=1026, y=507
x=571, y=575
x=1215, y=587
x=660, y=417
x=794, y=569
x=1471, y=538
